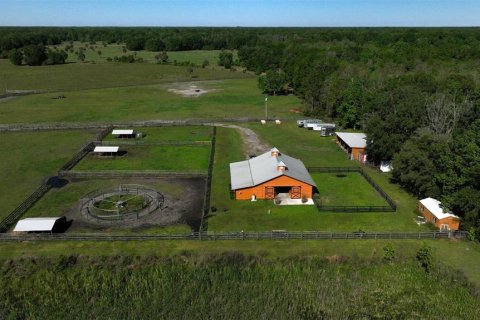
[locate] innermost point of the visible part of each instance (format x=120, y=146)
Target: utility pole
x=266, y=107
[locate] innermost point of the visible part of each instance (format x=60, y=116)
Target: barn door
x=269, y=193
x=296, y=193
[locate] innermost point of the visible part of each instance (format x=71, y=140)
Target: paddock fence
x=12, y=218
x=212, y=236
x=392, y=207
x=131, y=173
x=158, y=143
x=208, y=182
x=134, y=124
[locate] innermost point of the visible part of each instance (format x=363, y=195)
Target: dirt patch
x=189, y=89
x=252, y=144
x=178, y=208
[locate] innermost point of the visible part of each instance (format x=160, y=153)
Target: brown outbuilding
x=269, y=174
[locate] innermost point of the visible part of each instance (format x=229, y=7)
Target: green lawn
x=29, y=157
x=172, y=158
x=80, y=76
x=230, y=98
x=263, y=215
x=303, y=144
x=170, y=133
x=346, y=189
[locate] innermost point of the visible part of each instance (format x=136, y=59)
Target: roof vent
x=275, y=152
x=281, y=166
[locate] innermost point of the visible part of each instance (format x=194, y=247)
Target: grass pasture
x=29, y=157
x=170, y=158
x=231, y=215
x=346, y=189
x=81, y=76
x=306, y=145
x=228, y=99
x=169, y=134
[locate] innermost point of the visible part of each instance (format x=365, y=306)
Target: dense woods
x=232, y=286
x=414, y=91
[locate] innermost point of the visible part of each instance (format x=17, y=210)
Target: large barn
x=269, y=174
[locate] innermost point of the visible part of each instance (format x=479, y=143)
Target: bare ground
x=189, y=89
x=183, y=208
x=252, y=144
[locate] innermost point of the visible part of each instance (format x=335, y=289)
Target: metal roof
x=263, y=168
x=105, y=149
x=434, y=207
x=121, y=131
x=35, y=224
x=353, y=139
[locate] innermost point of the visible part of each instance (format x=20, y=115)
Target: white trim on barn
x=101, y=149
x=36, y=224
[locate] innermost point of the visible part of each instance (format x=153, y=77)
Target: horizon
x=241, y=13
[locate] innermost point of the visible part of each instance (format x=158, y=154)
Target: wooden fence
x=158, y=143
x=204, y=236
x=392, y=207
x=131, y=173
x=208, y=182
x=133, y=124
x=12, y=218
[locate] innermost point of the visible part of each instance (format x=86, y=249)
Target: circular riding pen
x=126, y=202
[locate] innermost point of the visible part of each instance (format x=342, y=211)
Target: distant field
x=172, y=158
x=228, y=98
x=111, y=50
x=79, y=76
x=346, y=189
x=27, y=158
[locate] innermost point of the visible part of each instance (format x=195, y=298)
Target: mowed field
x=346, y=189
x=167, y=134
x=170, y=158
x=80, y=76
x=265, y=215
x=29, y=157
x=225, y=99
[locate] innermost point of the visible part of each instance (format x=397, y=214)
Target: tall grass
x=228, y=286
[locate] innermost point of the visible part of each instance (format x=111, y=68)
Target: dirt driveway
x=252, y=144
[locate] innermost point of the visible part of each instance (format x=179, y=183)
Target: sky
x=312, y=13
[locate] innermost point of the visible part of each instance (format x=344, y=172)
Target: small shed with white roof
x=124, y=133
x=354, y=143
x=270, y=174
x=106, y=150
x=54, y=224
x=433, y=212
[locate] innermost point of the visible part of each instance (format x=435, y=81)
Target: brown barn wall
x=453, y=223
x=282, y=181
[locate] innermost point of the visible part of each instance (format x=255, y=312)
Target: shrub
x=388, y=253
x=425, y=258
